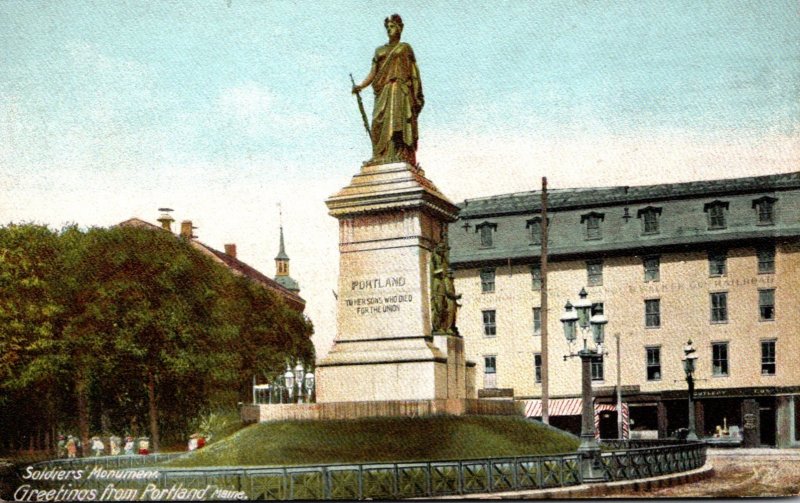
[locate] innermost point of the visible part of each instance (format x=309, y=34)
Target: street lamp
x=299, y=373
x=309, y=386
x=580, y=315
x=689, y=358
x=288, y=380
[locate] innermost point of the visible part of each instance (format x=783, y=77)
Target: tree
x=29, y=308
x=134, y=325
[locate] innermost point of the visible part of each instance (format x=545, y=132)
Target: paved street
x=738, y=473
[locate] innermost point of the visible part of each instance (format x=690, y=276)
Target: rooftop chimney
x=186, y=229
x=166, y=219
x=230, y=250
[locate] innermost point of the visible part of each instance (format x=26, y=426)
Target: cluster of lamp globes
x=580, y=315
x=297, y=378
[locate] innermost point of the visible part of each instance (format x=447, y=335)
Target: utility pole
x=619, y=390
x=543, y=308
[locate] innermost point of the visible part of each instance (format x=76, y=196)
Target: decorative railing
x=652, y=461
x=396, y=480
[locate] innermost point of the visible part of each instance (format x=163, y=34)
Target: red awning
x=556, y=407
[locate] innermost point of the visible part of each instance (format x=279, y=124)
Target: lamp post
x=309, y=387
x=299, y=373
x=689, y=358
x=288, y=381
x=579, y=317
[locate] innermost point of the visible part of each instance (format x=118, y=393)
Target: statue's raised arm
x=394, y=77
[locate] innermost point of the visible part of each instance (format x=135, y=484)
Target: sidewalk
x=765, y=453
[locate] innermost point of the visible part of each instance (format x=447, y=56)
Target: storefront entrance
x=607, y=425
x=767, y=421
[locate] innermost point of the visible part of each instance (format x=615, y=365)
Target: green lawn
x=380, y=440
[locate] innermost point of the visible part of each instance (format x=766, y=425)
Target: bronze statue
x=394, y=77
x=444, y=300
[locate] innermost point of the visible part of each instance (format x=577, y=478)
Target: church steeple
x=282, y=264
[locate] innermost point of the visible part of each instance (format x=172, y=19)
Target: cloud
x=501, y=163
x=257, y=111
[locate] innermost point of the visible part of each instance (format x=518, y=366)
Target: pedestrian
x=97, y=446
x=72, y=447
x=114, y=443
x=128, y=445
x=61, y=450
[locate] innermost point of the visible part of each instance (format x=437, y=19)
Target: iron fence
x=396, y=480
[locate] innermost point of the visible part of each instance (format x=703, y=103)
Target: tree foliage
x=129, y=330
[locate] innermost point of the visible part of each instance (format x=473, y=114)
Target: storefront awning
x=556, y=407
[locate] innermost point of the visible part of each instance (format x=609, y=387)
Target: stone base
x=389, y=408
x=403, y=380
x=391, y=218
x=414, y=368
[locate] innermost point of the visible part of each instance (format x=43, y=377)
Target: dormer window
x=593, y=220
x=534, y=226
x=649, y=217
x=765, y=210
x=716, y=211
x=486, y=231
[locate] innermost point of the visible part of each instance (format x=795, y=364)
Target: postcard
x=356, y=250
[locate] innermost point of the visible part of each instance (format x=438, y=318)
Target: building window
x=719, y=307
x=765, y=210
x=768, y=358
x=766, y=259
x=766, y=304
x=537, y=321
x=649, y=217
x=652, y=313
x=534, y=225
x=489, y=323
x=537, y=366
x=597, y=368
x=490, y=371
x=717, y=261
x=490, y=364
x=653, y=363
x=594, y=272
x=536, y=276
x=486, y=231
x=487, y=280
x=652, y=267
x=716, y=214
x=719, y=358
x=593, y=230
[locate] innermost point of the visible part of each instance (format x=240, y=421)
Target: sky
x=222, y=109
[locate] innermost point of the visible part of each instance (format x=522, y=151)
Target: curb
x=601, y=489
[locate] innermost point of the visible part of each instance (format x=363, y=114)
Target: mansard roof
x=587, y=197
x=683, y=223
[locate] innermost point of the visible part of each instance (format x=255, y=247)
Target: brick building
x=283, y=285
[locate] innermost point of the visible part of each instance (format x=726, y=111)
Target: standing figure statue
x=439, y=289
x=394, y=77
x=444, y=300
x=452, y=299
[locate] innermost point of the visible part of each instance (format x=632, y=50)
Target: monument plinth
x=391, y=218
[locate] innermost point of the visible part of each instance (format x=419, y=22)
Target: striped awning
x=572, y=407
x=556, y=407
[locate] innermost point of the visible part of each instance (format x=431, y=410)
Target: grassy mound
x=380, y=440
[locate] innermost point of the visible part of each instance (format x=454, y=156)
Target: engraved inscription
x=367, y=299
